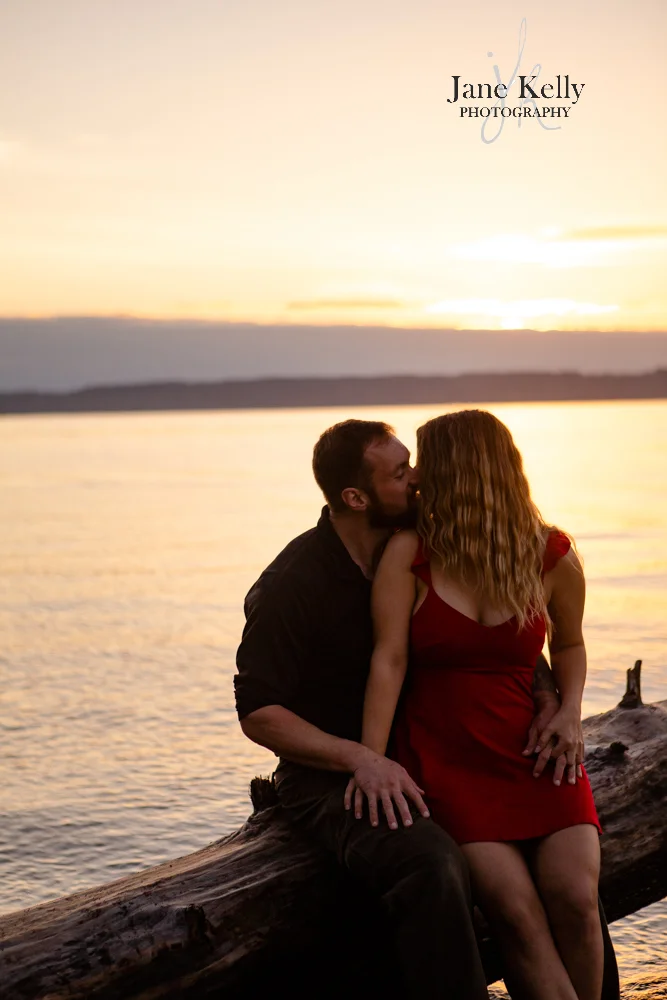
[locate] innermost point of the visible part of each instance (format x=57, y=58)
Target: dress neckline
x=556, y=545
x=462, y=614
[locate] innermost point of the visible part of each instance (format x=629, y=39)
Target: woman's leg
x=504, y=888
x=566, y=869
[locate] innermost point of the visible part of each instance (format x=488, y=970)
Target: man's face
x=393, y=485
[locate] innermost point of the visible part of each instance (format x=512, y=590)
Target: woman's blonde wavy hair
x=476, y=515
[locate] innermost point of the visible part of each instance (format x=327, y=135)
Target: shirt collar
x=346, y=567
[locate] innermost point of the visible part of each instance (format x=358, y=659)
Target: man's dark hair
x=338, y=458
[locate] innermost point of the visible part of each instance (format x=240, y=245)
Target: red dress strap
x=421, y=564
x=557, y=545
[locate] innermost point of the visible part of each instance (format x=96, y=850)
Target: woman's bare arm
x=567, y=649
x=568, y=662
x=393, y=597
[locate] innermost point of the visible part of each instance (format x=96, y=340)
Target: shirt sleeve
x=275, y=646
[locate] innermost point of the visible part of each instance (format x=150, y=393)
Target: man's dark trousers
x=417, y=872
x=421, y=878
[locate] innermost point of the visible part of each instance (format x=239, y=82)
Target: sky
x=297, y=162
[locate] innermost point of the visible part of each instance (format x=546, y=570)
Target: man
x=302, y=669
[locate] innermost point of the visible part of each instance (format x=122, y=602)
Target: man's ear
x=355, y=499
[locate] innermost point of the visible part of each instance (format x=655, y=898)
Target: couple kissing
x=392, y=660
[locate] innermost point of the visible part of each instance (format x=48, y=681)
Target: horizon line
x=561, y=373
x=322, y=324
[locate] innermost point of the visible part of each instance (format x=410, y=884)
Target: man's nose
x=414, y=477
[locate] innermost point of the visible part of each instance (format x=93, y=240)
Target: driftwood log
x=262, y=909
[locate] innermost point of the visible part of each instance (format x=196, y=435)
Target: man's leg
x=417, y=872
x=611, y=989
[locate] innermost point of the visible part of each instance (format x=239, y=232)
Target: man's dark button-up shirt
x=308, y=638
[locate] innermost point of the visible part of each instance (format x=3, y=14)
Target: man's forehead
x=390, y=451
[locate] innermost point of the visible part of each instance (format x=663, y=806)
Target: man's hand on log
x=383, y=781
x=561, y=740
x=548, y=708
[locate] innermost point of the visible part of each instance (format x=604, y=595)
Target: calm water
x=128, y=543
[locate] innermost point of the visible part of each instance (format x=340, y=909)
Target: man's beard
x=379, y=518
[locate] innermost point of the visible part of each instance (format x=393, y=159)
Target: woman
x=471, y=596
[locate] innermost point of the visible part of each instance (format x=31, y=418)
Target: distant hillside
x=297, y=392
x=64, y=354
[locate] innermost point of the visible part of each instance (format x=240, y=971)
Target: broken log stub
x=263, y=909
x=633, y=691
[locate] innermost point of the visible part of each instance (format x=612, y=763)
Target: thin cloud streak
x=576, y=248
x=616, y=233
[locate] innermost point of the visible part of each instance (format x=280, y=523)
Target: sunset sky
x=296, y=161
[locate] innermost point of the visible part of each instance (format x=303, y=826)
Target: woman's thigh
x=502, y=883
x=566, y=867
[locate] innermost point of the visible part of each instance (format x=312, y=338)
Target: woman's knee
x=517, y=911
x=574, y=900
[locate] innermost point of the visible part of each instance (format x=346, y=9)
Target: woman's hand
x=562, y=736
x=383, y=781
x=547, y=706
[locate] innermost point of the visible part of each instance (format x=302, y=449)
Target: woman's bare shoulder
x=401, y=549
x=568, y=566
x=565, y=582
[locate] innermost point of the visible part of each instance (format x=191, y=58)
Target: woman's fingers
x=542, y=761
x=388, y=807
x=415, y=793
x=347, y=799
x=544, y=739
x=354, y=798
x=571, y=767
x=565, y=746
x=533, y=737
x=403, y=808
x=559, y=770
x=393, y=794
x=566, y=760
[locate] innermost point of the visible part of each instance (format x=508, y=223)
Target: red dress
x=463, y=721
